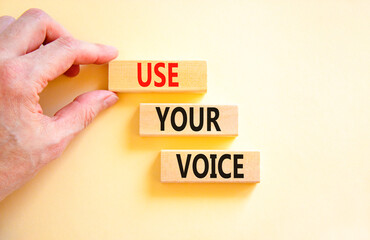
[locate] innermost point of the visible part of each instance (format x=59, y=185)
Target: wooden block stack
x=158, y=119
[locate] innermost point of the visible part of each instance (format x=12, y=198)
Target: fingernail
x=110, y=100
x=113, y=49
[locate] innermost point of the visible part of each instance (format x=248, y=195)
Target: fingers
x=78, y=114
x=73, y=71
x=5, y=21
x=28, y=32
x=55, y=58
x=61, y=55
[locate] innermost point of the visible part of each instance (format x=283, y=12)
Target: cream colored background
x=299, y=71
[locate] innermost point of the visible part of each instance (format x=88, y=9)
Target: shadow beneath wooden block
x=194, y=190
x=137, y=98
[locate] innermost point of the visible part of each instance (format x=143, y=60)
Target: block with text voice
x=158, y=76
x=210, y=166
x=169, y=119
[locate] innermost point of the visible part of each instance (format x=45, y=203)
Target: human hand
x=34, y=49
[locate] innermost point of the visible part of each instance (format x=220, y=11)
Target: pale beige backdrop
x=299, y=71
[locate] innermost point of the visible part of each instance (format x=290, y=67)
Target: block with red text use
x=158, y=76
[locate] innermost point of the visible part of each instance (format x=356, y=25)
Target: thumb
x=74, y=117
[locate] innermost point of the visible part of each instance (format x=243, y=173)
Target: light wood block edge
x=255, y=166
x=232, y=133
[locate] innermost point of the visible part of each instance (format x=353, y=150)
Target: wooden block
x=210, y=166
x=167, y=119
x=158, y=76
